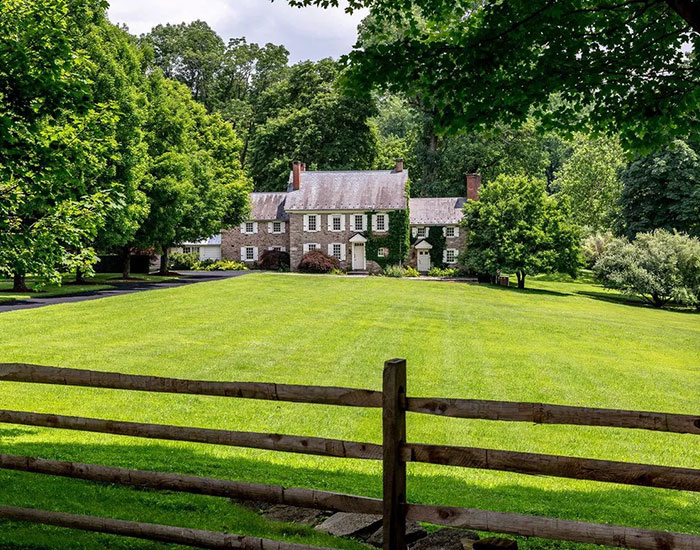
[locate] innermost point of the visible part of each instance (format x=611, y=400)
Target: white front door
x=423, y=260
x=358, y=257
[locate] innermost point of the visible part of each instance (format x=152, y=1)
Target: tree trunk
x=521, y=279
x=688, y=10
x=126, y=262
x=164, y=258
x=19, y=283
x=80, y=276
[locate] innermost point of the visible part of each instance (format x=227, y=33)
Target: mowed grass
x=549, y=344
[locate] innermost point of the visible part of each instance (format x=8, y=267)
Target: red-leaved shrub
x=274, y=260
x=316, y=261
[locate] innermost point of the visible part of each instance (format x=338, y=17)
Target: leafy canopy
x=624, y=67
x=516, y=227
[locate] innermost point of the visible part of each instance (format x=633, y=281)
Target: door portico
x=359, y=259
x=423, y=249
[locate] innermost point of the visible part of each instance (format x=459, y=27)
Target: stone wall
x=232, y=240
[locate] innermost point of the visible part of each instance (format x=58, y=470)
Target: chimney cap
x=399, y=165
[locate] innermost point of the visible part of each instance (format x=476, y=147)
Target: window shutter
x=427, y=231
x=342, y=222
x=255, y=253
x=444, y=231
x=270, y=227
x=364, y=222
x=306, y=222
x=414, y=231
x=330, y=249
x=243, y=227
x=456, y=231
x=374, y=222
x=242, y=253
x=342, y=252
x=330, y=222
x=255, y=227
x=444, y=256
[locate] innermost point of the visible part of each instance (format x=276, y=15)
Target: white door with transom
x=358, y=257
x=423, y=260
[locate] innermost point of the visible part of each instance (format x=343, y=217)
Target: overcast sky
x=308, y=33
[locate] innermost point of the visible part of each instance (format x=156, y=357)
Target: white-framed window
x=312, y=222
x=249, y=228
x=189, y=249
x=450, y=256
x=308, y=247
x=249, y=254
x=358, y=222
x=278, y=248
x=380, y=223
x=337, y=250
x=277, y=227
x=336, y=222
x=421, y=232
x=449, y=232
x=382, y=252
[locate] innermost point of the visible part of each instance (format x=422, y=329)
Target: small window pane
x=450, y=256
x=311, y=246
x=336, y=223
x=336, y=251
x=358, y=223
x=312, y=223
x=450, y=231
x=276, y=227
x=249, y=227
x=249, y=253
x=381, y=223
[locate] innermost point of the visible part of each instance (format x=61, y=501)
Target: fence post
x=394, y=469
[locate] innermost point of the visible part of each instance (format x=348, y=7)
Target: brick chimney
x=473, y=186
x=296, y=175
x=399, y=165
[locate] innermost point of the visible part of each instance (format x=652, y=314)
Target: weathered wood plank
x=554, y=529
x=540, y=413
x=271, y=442
x=306, y=498
x=646, y=475
x=37, y=374
x=148, y=531
x=394, y=469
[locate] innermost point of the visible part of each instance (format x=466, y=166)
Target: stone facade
x=232, y=240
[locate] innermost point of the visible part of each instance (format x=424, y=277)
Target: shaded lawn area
x=552, y=345
x=101, y=281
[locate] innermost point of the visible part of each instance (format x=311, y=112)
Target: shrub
x=221, y=265
x=440, y=272
x=274, y=260
x=178, y=260
x=409, y=271
x=658, y=267
x=337, y=272
x=392, y=271
x=594, y=246
x=317, y=261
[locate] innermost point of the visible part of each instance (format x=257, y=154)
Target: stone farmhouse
x=366, y=219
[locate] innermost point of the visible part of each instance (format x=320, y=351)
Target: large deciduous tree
x=54, y=138
x=516, y=227
x=194, y=184
x=633, y=63
x=662, y=191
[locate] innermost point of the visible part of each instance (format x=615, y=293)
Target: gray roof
x=268, y=206
x=349, y=190
x=438, y=211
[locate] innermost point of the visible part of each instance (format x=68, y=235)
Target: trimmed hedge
x=317, y=261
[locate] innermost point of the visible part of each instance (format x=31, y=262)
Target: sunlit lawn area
x=554, y=343
x=100, y=281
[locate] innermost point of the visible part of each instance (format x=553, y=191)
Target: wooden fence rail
x=395, y=452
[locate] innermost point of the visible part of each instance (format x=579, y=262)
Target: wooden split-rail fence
x=395, y=452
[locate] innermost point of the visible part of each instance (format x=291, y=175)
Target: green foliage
x=593, y=247
x=310, y=119
x=409, y=271
x=180, y=260
x=337, y=272
x=396, y=239
x=274, y=260
x=659, y=267
x=590, y=179
x=476, y=64
x=662, y=191
x=517, y=227
x=317, y=261
x=393, y=270
x=448, y=272
x=56, y=137
x=220, y=265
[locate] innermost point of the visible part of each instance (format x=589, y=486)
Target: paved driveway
x=188, y=278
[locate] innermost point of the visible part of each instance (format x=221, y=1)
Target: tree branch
x=688, y=10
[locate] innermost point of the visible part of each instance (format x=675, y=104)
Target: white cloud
x=308, y=33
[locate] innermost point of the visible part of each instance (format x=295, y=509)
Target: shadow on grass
x=593, y=502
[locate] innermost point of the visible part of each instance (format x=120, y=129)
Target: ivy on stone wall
x=396, y=239
x=436, y=237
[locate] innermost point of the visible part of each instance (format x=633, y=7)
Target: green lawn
x=554, y=343
x=101, y=281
